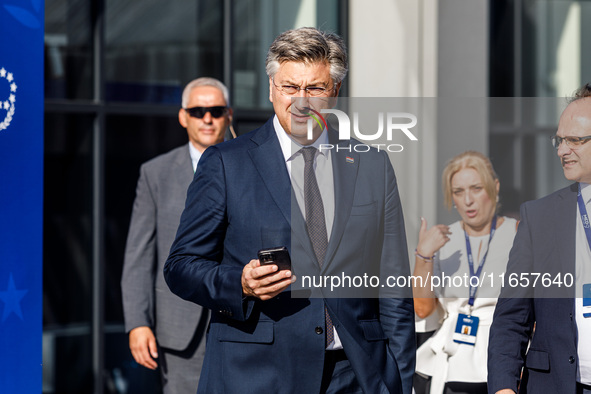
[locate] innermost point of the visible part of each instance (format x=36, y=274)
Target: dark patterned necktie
x=315, y=221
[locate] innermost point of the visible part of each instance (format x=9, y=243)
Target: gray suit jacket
x=147, y=301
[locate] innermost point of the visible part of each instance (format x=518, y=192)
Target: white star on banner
x=7, y=103
x=12, y=300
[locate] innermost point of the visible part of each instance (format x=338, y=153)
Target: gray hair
x=308, y=45
x=580, y=93
x=204, y=81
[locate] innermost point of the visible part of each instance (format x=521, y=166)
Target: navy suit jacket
x=545, y=243
x=240, y=202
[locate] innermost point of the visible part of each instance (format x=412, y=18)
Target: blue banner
x=21, y=195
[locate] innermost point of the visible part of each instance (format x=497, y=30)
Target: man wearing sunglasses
x=269, y=334
x=164, y=330
x=540, y=339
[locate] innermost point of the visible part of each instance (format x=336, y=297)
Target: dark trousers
x=583, y=389
x=450, y=387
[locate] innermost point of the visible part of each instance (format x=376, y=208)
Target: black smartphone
x=278, y=256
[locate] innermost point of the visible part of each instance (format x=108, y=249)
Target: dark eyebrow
x=318, y=84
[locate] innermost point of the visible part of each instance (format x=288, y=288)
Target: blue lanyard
x=584, y=216
x=473, y=289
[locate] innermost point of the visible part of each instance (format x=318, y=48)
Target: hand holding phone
x=278, y=256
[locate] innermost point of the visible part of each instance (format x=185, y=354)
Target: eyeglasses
x=199, y=112
x=292, y=90
x=571, y=142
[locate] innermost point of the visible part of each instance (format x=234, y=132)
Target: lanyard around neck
x=477, y=274
x=584, y=216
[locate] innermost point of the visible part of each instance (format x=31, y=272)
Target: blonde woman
x=448, y=260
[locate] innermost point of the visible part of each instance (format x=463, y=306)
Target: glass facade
x=114, y=73
x=252, y=40
x=68, y=50
x=538, y=49
x=67, y=280
x=152, y=49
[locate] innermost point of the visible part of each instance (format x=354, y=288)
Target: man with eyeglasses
x=269, y=334
x=164, y=330
x=540, y=339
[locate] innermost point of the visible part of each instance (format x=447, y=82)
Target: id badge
x=587, y=300
x=466, y=329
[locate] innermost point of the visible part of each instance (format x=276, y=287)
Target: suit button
x=571, y=359
x=318, y=330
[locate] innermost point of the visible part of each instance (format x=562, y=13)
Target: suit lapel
x=269, y=161
x=184, y=168
x=566, y=222
x=345, y=166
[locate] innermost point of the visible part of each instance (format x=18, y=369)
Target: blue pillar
x=21, y=195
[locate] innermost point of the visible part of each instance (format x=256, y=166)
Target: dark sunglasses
x=199, y=112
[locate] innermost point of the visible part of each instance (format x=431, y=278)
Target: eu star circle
x=7, y=97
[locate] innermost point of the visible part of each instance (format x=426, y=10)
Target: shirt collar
x=289, y=147
x=586, y=192
x=195, y=156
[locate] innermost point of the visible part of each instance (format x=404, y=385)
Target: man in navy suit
x=262, y=336
x=552, y=241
